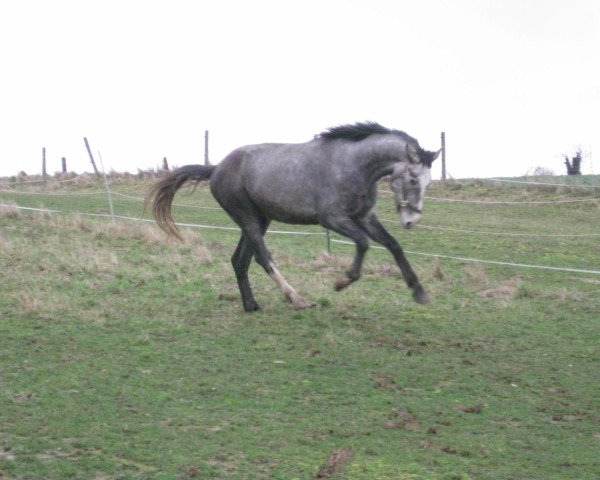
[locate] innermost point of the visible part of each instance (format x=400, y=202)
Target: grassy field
x=127, y=356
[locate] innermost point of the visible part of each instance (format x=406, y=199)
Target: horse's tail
x=161, y=194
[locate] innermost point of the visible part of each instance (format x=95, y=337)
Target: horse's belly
x=292, y=214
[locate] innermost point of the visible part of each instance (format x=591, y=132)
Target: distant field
x=127, y=355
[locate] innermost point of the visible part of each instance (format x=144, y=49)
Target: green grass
x=123, y=355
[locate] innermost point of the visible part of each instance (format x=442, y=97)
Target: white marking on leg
x=296, y=300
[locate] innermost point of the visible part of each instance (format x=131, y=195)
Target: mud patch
x=508, y=289
x=438, y=271
x=565, y=417
x=383, y=381
x=336, y=463
x=477, y=408
x=403, y=418
x=501, y=291
x=6, y=455
x=593, y=281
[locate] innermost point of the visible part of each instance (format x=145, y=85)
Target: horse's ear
x=412, y=155
x=436, y=155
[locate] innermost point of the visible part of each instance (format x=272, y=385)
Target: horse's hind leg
x=241, y=260
x=288, y=291
x=252, y=235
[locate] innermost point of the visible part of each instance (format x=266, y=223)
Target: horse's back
x=282, y=181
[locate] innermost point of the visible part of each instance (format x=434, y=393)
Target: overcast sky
x=513, y=83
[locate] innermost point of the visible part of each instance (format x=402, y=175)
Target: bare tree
x=574, y=164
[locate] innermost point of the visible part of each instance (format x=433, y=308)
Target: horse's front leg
x=377, y=232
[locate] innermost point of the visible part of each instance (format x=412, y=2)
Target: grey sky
x=513, y=83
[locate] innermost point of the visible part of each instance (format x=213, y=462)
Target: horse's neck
x=379, y=158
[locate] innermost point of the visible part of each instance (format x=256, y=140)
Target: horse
x=330, y=180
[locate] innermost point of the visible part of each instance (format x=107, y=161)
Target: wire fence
x=339, y=241
x=384, y=191
x=526, y=182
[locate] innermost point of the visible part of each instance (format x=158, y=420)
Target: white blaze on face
x=424, y=181
x=410, y=190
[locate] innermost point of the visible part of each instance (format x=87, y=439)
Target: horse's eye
x=413, y=181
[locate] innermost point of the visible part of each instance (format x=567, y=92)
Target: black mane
x=361, y=130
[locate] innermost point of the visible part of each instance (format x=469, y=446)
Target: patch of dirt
x=6, y=455
x=228, y=297
x=501, y=291
x=403, y=418
x=508, y=289
x=312, y=352
x=336, y=462
x=477, y=408
x=438, y=271
x=383, y=382
x=192, y=472
x=449, y=450
x=564, y=417
x=475, y=274
x=593, y=281
x=431, y=445
x=20, y=397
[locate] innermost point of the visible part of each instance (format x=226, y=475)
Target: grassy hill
x=126, y=355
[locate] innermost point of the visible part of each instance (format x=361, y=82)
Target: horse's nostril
x=408, y=224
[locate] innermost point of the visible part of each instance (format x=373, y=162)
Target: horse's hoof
x=421, y=296
x=298, y=302
x=251, y=306
x=301, y=304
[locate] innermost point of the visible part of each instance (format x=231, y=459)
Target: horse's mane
x=361, y=130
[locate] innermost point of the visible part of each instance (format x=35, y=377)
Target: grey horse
x=330, y=180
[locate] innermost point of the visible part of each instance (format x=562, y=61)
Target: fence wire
x=343, y=242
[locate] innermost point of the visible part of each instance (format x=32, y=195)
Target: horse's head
x=410, y=179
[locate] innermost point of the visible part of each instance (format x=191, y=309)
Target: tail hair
x=161, y=194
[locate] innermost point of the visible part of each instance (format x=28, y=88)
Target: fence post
x=165, y=165
x=87, y=145
x=44, y=173
x=64, y=165
x=206, y=159
x=443, y=155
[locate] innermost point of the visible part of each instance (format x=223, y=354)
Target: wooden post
x=64, y=165
x=443, y=155
x=165, y=164
x=44, y=173
x=87, y=145
x=206, y=159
